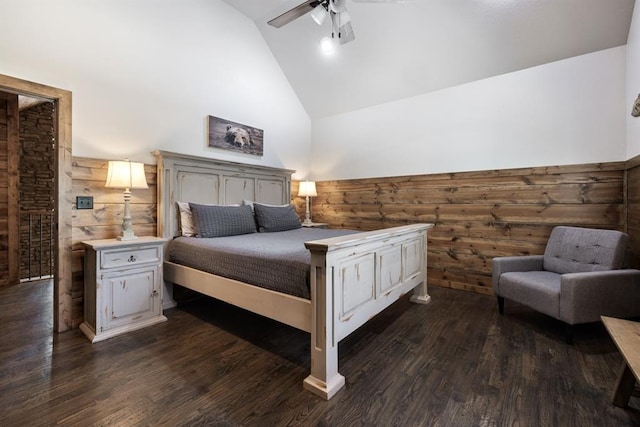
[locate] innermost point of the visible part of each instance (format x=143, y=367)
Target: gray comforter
x=277, y=261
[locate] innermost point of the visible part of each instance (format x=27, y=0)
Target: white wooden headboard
x=184, y=178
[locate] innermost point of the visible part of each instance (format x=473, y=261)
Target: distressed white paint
x=342, y=302
x=123, y=290
x=389, y=274
x=356, y=283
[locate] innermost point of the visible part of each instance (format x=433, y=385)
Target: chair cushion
x=539, y=290
x=576, y=250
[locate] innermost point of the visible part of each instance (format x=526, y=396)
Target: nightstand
x=316, y=225
x=122, y=286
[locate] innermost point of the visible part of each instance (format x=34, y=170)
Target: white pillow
x=186, y=220
x=187, y=229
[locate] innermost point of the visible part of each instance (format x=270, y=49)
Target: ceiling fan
x=336, y=9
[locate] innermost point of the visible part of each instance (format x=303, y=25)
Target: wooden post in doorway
x=13, y=194
x=9, y=166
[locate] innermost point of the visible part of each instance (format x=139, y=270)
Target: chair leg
x=568, y=333
x=500, y=304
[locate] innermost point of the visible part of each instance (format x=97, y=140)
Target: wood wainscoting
x=633, y=211
x=104, y=221
x=477, y=215
x=480, y=215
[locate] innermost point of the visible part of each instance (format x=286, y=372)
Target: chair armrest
x=514, y=263
x=584, y=297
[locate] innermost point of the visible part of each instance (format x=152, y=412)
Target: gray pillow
x=276, y=218
x=220, y=221
x=250, y=203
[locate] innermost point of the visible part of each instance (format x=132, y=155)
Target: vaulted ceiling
x=407, y=49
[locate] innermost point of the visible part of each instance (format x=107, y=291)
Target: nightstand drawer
x=130, y=257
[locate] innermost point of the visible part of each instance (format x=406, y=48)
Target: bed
x=352, y=277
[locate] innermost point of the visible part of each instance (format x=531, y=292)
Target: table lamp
x=127, y=175
x=307, y=189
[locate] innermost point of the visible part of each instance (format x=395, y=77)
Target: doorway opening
x=61, y=221
x=36, y=185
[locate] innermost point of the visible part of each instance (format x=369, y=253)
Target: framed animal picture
x=233, y=136
x=635, y=112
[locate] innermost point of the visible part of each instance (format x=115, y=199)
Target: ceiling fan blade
x=295, y=13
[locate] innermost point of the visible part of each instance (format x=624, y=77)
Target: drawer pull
x=131, y=259
x=154, y=293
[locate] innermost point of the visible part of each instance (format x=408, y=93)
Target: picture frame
x=228, y=135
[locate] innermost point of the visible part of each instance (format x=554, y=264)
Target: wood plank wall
x=9, y=175
x=633, y=211
x=479, y=215
x=4, y=183
x=105, y=219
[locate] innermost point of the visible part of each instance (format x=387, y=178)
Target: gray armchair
x=578, y=279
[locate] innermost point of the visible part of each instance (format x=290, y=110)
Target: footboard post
x=324, y=380
x=420, y=295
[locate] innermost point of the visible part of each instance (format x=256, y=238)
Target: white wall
x=146, y=74
x=566, y=112
x=633, y=84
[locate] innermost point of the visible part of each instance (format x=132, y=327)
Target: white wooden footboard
x=353, y=278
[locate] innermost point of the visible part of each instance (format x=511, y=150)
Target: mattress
x=278, y=261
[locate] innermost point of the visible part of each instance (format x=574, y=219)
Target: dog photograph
x=229, y=135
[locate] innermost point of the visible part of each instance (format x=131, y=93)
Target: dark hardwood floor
x=455, y=362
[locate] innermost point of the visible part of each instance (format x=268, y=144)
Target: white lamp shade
x=307, y=188
x=126, y=174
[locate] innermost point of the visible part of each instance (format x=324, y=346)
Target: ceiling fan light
x=338, y=6
x=326, y=44
x=319, y=14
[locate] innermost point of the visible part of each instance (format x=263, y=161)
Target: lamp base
x=307, y=214
x=127, y=238
x=127, y=231
x=127, y=235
